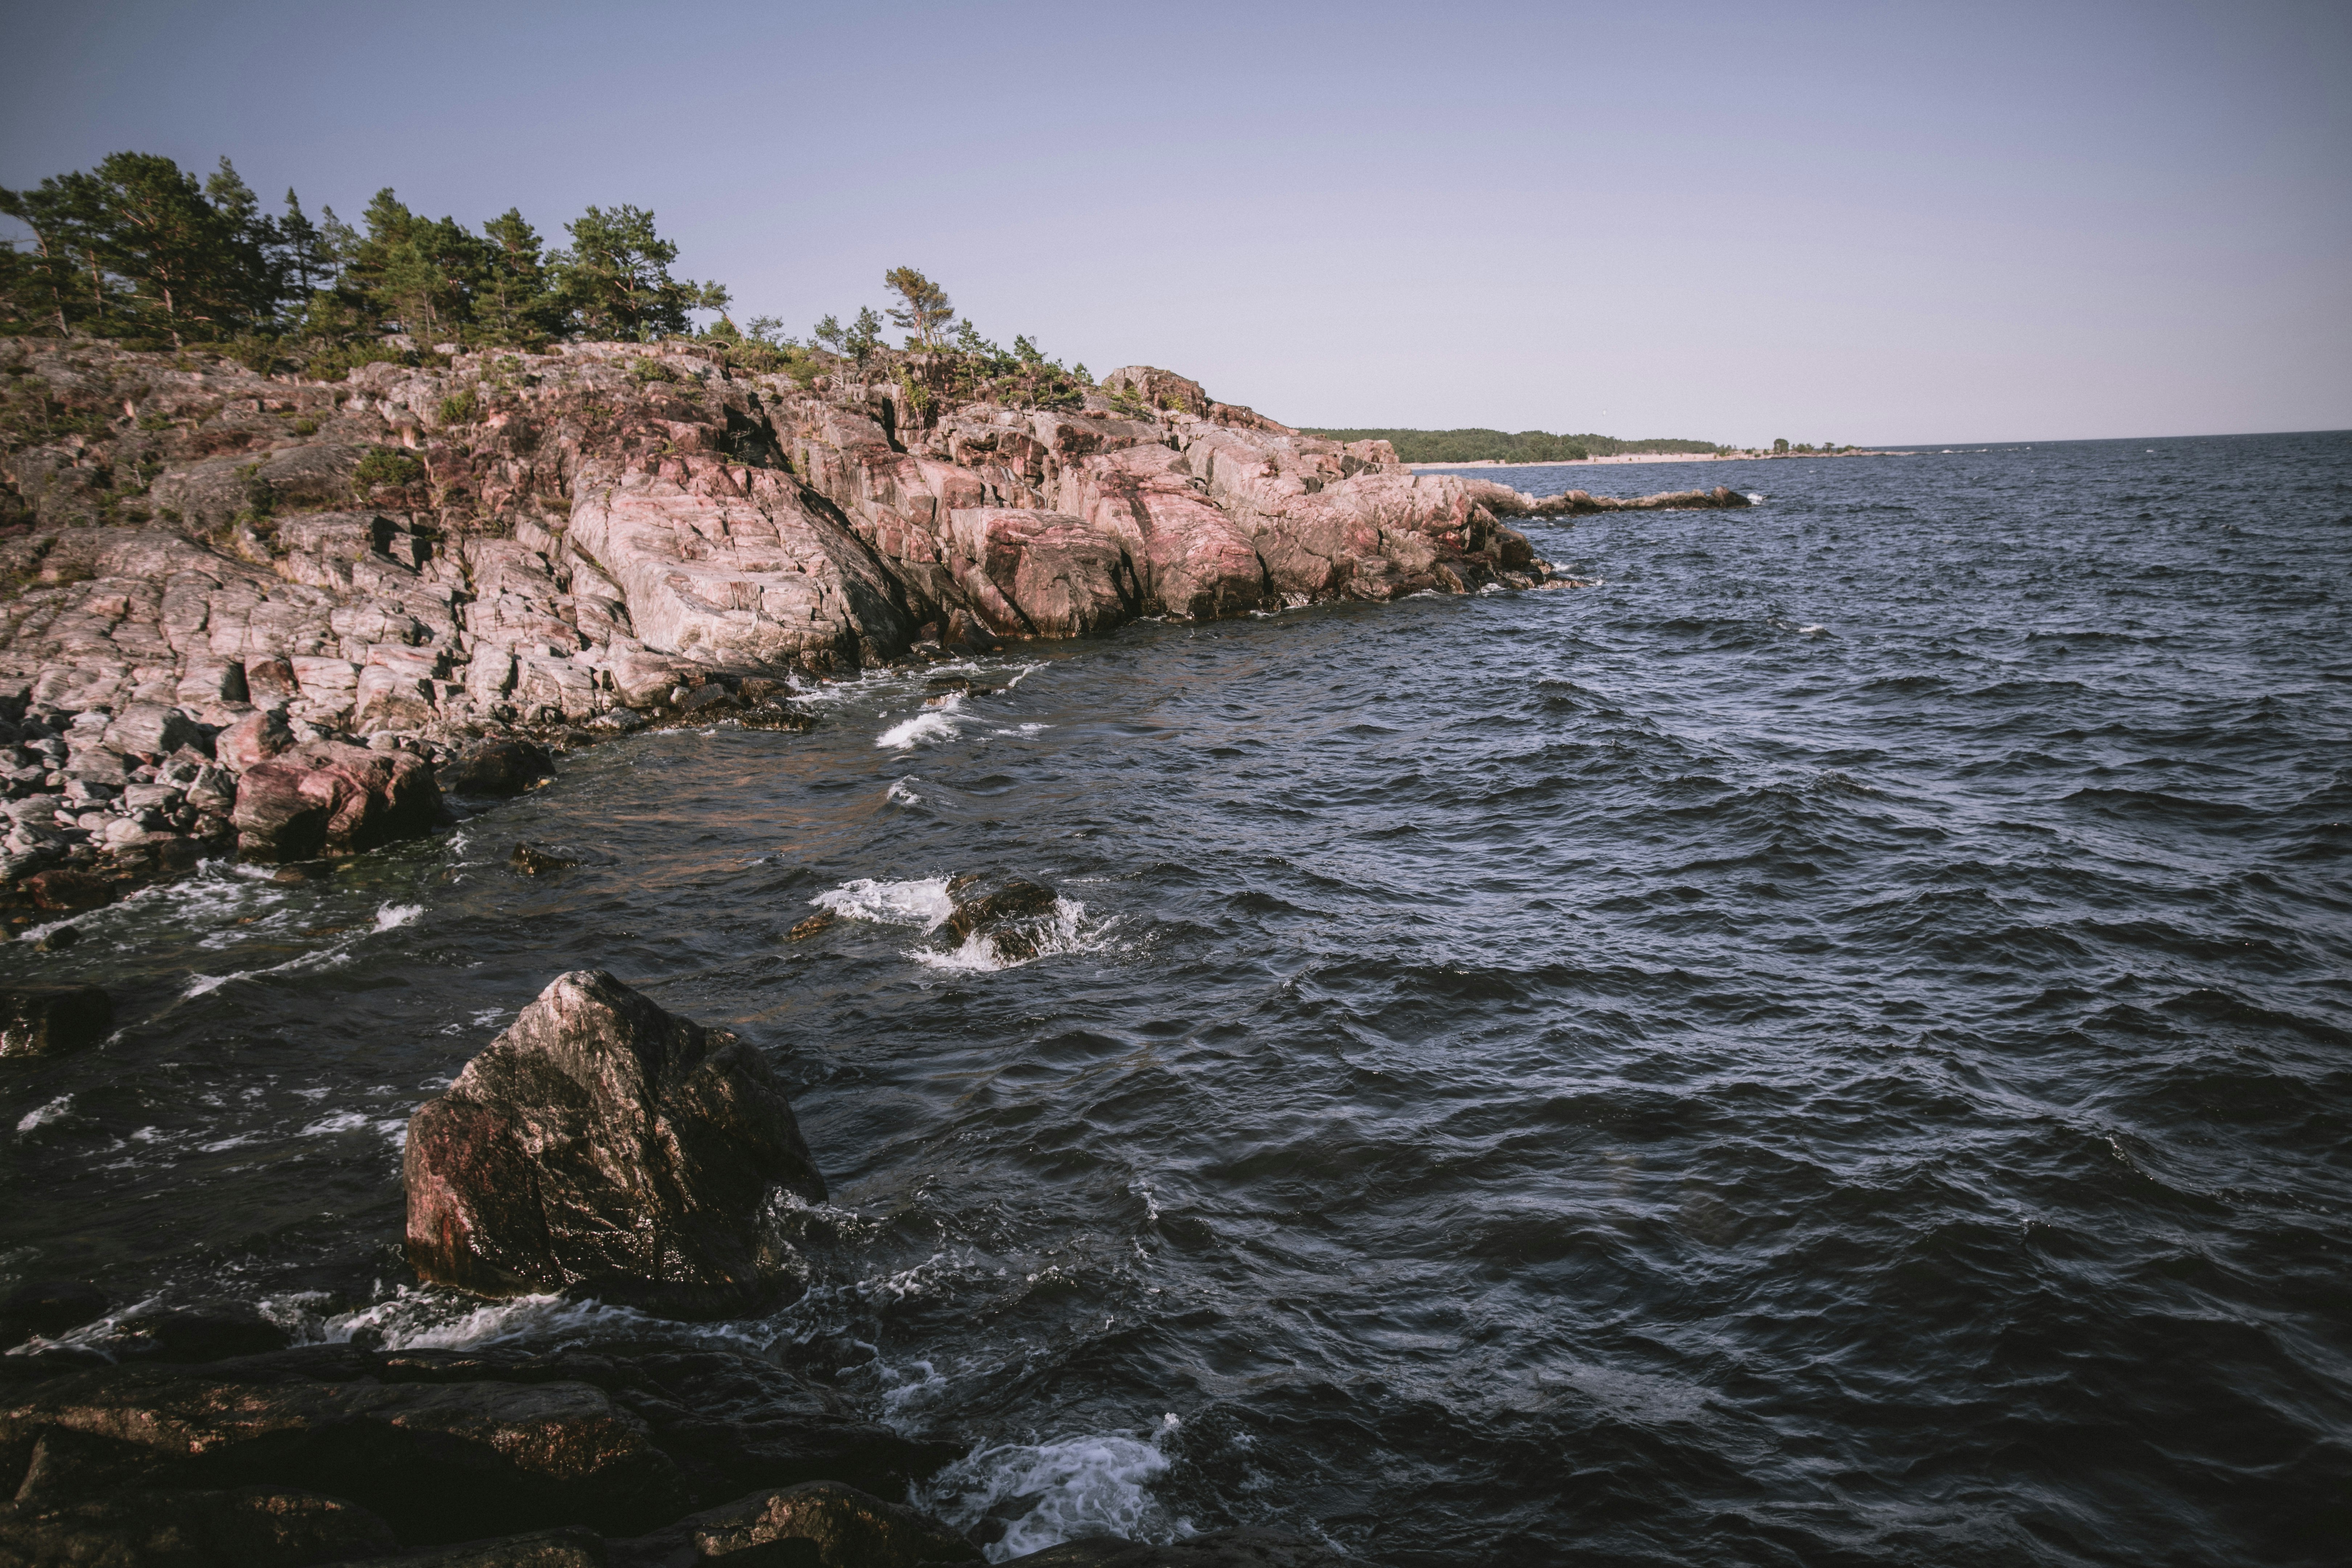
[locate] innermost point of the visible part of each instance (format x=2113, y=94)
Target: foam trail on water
x=1093, y=1485
x=388, y=916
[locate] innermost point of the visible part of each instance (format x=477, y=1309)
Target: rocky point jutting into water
x=254, y=611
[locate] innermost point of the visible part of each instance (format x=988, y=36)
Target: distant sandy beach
x=1654, y=458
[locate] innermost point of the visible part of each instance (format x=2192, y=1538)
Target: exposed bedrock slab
x=735, y=568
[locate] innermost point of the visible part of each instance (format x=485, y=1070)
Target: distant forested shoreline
x=1525, y=447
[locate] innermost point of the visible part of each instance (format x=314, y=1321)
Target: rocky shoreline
x=293, y=621
x=577, y=543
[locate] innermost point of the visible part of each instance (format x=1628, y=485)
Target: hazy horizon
x=1841, y=223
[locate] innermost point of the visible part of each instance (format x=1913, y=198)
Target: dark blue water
x=1831, y=1045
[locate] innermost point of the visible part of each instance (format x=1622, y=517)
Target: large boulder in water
x=1015, y=915
x=328, y=798
x=606, y=1146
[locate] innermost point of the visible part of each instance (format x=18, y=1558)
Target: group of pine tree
x=140, y=249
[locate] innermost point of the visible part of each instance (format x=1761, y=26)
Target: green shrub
x=382, y=466
x=459, y=407
x=262, y=356
x=646, y=371
x=306, y=426
x=335, y=363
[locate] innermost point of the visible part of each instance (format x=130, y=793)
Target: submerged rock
x=249, y=1527
x=537, y=1457
x=603, y=1145
x=833, y=1525
x=48, y=1307
x=1243, y=1548
x=534, y=862
x=496, y=768
x=572, y=1547
x=67, y=891
x=190, y=1335
x=39, y=1020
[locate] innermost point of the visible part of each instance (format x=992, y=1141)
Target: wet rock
x=811, y=926
x=58, y=940
x=712, y=697
x=250, y=1527
x=496, y=768
x=1246, y=1548
x=69, y=891
x=48, y=1307
x=42, y=1020
x=1013, y=912
x=192, y=1335
x=330, y=799
x=439, y=1461
x=964, y=630
x=496, y=1449
x=533, y=862
x=605, y=1145
x=572, y=1547
x=831, y=1525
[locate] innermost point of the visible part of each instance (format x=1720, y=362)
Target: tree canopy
x=138, y=248
x=923, y=307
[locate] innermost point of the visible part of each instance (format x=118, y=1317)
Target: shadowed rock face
x=603, y=1145
x=325, y=1452
x=328, y=798
x=36, y=1020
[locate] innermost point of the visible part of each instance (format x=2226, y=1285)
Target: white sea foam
x=1810, y=631
x=1093, y=1485
x=414, y=1319
x=340, y=1122
x=923, y=904
x=42, y=1115
x=902, y=792
x=932, y=724
x=392, y=917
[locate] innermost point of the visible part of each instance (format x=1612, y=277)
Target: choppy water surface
x=1832, y=1045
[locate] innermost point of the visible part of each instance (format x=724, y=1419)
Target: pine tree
x=516, y=303
x=62, y=280
x=924, y=309
x=249, y=280
x=865, y=335
x=615, y=277
x=160, y=235
x=309, y=256
x=421, y=273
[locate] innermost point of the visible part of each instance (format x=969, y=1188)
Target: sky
x=1871, y=223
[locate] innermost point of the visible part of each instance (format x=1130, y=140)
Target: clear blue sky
x=1879, y=223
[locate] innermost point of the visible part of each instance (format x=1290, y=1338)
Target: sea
x=1829, y=1042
